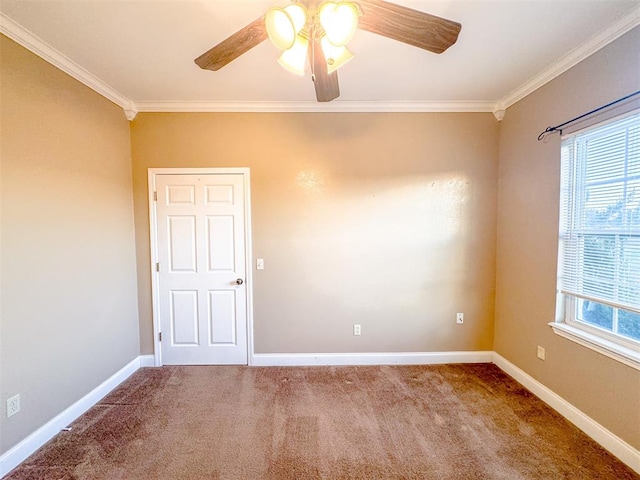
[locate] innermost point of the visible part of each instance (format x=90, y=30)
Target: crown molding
x=23, y=37
x=335, y=106
x=573, y=57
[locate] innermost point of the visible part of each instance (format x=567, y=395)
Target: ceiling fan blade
x=410, y=26
x=228, y=50
x=326, y=84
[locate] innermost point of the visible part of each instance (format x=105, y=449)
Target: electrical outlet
x=13, y=405
x=356, y=329
x=459, y=317
x=541, y=353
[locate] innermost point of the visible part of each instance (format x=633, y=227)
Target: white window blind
x=600, y=214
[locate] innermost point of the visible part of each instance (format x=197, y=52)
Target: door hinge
x=157, y=267
x=155, y=196
x=160, y=336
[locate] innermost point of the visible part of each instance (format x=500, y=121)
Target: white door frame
x=153, y=232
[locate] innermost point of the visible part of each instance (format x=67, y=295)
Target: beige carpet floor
x=401, y=422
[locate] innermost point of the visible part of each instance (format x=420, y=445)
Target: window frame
x=567, y=324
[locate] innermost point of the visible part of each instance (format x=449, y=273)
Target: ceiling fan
x=319, y=30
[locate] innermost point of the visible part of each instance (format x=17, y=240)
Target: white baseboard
x=345, y=359
x=614, y=444
x=147, y=361
x=16, y=455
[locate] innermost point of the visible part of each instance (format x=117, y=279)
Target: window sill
x=605, y=347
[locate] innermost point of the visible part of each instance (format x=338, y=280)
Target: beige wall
x=604, y=389
x=69, y=314
x=387, y=220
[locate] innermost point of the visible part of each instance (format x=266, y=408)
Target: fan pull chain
x=313, y=58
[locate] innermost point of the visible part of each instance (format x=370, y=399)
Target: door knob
x=239, y=281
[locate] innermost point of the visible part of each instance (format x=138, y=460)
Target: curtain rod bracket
x=549, y=130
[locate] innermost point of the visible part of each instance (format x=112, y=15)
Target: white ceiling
x=142, y=51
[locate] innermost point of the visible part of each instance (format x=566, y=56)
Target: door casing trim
x=153, y=229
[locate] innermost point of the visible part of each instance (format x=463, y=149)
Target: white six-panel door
x=201, y=277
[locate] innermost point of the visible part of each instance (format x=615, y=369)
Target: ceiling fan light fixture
x=284, y=24
x=339, y=21
x=334, y=55
x=294, y=59
x=298, y=15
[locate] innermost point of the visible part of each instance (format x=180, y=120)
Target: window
x=599, y=244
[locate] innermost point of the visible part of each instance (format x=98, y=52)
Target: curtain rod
x=558, y=128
